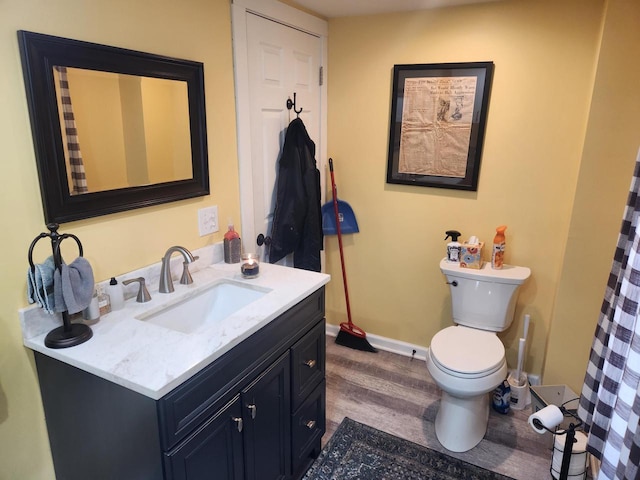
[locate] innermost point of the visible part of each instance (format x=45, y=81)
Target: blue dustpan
x=348, y=222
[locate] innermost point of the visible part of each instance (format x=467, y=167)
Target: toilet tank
x=484, y=298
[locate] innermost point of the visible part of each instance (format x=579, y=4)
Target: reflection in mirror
x=137, y=129
x=113, y=129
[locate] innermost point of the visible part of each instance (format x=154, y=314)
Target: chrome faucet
x=166, y=282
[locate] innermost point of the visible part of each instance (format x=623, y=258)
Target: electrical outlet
x=208, y=220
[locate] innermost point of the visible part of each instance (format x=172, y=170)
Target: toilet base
x=462, y=422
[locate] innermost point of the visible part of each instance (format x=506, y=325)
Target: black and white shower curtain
x=70, y=133
x=610, y=400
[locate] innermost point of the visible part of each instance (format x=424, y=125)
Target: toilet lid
x=466, y=351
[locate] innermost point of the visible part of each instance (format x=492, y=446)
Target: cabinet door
x=212, y=451
x=267, y=433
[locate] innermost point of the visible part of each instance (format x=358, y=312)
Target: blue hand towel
x=73, y=286
x=40, y=285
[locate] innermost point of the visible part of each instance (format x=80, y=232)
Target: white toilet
x=467, y=360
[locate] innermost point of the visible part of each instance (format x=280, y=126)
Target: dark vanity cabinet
x=254, y=426
x=256, y=413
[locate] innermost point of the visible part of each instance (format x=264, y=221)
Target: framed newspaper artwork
x=438, y=119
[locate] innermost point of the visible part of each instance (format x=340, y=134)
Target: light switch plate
x=208, y=220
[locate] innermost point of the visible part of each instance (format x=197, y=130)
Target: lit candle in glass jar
x=250, y=266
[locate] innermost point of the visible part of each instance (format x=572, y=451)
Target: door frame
x=291, y=17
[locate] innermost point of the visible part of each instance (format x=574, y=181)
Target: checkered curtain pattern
x=610, y=399
x=76, y=164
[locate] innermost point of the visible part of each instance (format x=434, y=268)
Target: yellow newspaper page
x=437, y=115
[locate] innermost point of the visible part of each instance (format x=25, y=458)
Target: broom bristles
x=353, y=341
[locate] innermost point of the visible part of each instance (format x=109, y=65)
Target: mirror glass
x=137, y=128
x=114, y=129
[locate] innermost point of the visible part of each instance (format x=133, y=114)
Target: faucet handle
x=143, y=293
x=186, y=278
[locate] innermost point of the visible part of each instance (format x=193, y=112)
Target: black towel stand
x=68, y=334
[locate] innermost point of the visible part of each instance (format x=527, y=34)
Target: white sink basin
x=206, y=308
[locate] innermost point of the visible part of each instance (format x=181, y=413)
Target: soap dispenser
x=453, y=247
x=116, y=294
x=232, y=246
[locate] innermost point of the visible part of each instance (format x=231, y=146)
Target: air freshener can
x=502, y=397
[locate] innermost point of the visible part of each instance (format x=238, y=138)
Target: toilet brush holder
x=520, y=394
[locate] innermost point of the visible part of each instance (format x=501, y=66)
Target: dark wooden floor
x=395, y=394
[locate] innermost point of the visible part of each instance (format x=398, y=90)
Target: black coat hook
x=291, y=105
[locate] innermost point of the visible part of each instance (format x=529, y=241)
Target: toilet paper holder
x=570, y=433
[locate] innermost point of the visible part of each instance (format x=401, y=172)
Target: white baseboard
x=389, y=344
x=406, y=349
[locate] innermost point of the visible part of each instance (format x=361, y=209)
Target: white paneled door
x=273, y=61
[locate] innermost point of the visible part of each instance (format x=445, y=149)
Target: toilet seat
x=466, y=352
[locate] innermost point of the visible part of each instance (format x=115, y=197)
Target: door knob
x=310, y=363
x=252, y=408
x=262, y=240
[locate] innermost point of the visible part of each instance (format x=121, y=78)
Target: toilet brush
x=520, y=395
x=521, y=346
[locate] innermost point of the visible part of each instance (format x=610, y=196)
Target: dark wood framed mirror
x=113, y=129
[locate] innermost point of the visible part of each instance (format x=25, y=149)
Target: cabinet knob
x=252, y=408
x=238, y=421
x=310, y=424
x=310, y=363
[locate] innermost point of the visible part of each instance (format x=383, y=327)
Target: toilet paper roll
x=549, y=417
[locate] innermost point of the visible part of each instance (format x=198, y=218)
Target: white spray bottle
x=454, y=246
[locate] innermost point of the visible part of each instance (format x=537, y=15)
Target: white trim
x=285, y=14
x=389, y=344
x=243, y=123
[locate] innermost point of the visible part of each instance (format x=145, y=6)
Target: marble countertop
x=153, y=360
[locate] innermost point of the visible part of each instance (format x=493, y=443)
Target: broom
x=349, y=335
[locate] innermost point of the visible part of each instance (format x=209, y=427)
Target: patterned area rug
x=357, y=451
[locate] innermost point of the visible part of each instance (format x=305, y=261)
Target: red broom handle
x=337, y=215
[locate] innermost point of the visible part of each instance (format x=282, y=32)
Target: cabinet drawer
x=308, y=426
x=308, y=364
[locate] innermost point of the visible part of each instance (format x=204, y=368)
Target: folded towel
x=59, y=305
x=73, y=286
x=32, y=295
x=40, y=285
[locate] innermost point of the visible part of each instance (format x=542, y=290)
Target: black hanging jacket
x=297, y=219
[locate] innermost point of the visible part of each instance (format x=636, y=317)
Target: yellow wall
x=555, y=84
x=192, y=29
x=545, y=56
x=610, y=149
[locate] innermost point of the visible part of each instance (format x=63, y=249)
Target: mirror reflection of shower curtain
x=70, y=133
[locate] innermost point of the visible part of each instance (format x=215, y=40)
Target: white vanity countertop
x=153, y=360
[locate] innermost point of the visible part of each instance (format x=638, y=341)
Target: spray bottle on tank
x=453, y=247
x=497, y=253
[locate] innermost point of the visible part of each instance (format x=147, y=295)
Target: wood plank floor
x=395, y=394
